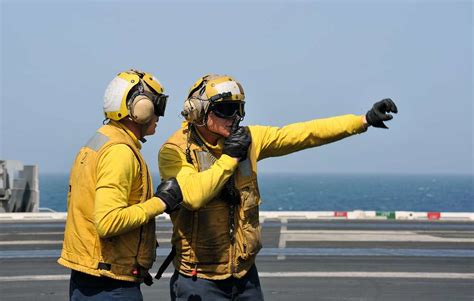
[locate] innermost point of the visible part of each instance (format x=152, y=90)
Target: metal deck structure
x=306, y=256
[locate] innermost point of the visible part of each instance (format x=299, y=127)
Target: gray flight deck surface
x=301, y=260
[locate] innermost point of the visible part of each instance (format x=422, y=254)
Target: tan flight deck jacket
x=201, y=228
x=110, y=226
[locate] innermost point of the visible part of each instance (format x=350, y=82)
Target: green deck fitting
x=387, y=214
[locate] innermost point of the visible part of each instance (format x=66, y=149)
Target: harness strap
x=166, y=263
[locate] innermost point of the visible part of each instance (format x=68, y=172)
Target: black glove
x=170, y=193
x=377, y=115
x=238, y=142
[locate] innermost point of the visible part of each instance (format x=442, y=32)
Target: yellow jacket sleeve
x=118, y=191
x=274, y=141
x=197, y=187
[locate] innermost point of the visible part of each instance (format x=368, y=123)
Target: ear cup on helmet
x=141, y=109
x=194, y=110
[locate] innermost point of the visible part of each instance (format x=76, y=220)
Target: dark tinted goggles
x=228, y=109
x=159, y=102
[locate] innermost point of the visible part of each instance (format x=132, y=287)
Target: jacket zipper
x=135, y=271
x=232, y=237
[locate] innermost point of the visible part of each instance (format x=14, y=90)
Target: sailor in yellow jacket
x=109, y=240
x=216, y=234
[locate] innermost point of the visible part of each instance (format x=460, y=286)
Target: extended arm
x=274, y=141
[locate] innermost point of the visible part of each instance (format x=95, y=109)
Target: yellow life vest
x=202, y=239
x=125, y=257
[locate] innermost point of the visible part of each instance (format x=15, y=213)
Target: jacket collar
x=215, y=149
x=128, y=131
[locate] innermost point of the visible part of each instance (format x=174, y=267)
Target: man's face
x=220, y=126
x=151, y=126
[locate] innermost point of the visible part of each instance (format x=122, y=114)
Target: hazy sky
x=296, y=60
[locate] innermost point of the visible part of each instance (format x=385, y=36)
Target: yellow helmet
x=136, y=94
x=219, y=93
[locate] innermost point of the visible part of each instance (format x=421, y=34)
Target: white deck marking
x=375, y=236
x=31, y=233
x=408, y=275
x=59, y=233
x=282, y=241
x=30, y=242
x=312, y=235
x=159, y=234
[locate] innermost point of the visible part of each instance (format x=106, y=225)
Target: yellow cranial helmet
x=136, y=94
x=218, y=93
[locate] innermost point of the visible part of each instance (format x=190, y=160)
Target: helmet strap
x=207, y=128
x=143, y=128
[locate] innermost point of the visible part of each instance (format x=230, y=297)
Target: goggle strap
x=220, y=96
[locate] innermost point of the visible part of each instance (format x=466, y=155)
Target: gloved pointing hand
x=377, y=115
x=170, y=193
x=238, y=142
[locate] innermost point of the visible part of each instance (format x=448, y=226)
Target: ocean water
x=328, y=192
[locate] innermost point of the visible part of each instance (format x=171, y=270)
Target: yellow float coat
x=111, y=208
x=201, y=227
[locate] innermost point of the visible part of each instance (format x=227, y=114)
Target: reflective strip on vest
x=97, y=141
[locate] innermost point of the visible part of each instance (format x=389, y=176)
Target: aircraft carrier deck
x=306, y=256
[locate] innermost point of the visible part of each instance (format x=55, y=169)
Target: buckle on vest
x=104, y=266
